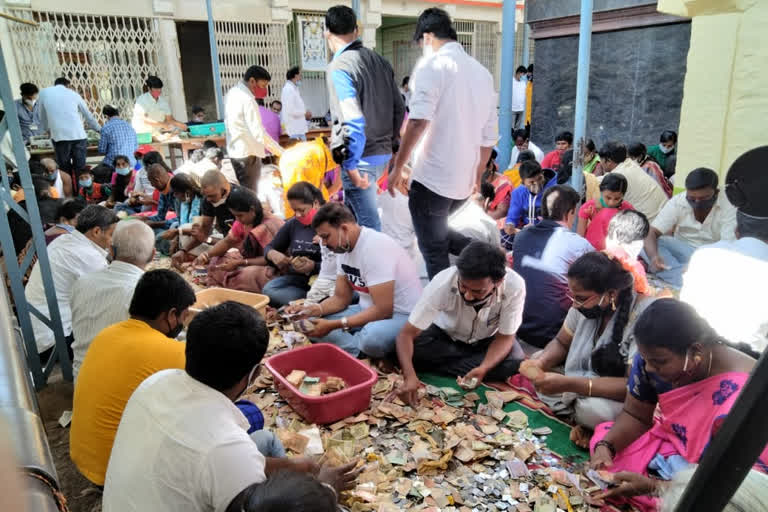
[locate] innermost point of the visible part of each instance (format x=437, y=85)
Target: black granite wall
x=635, y=84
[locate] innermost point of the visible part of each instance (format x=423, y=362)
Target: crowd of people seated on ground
x=470, y=270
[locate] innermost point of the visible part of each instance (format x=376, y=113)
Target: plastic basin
x=213, y=296
x=323, y=360
x=204, y=130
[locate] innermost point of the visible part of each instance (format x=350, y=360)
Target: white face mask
x=219, y=203
x=665, y=149
x=31, y=102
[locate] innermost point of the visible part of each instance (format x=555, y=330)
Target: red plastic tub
x=323, y=360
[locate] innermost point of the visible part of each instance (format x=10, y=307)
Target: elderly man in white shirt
x=465, y=323
x=726, y=281
x=688, y=221
x=60, y=111
x=183, y=444
x=294, y=114
x=102, y=298
x=247, y=139
x=151, y=112
x=71, y=256
x=453, y=121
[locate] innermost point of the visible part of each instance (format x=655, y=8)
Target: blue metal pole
x=582, y=92
x=507, y=75
x=215, y=61
x=356, y=8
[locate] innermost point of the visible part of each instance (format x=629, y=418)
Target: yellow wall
x=725, y=96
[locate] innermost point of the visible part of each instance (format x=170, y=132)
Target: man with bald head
x=101, y=298
x=215, y=189
x=60, y=181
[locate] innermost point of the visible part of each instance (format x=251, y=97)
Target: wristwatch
x=344, y=324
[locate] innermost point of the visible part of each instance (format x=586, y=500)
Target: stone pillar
x=370, y=21
x=725, y=95
x=170, y=64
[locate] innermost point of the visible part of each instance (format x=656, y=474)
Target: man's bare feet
x=580, y=436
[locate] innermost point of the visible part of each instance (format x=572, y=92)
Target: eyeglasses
x=579, y=303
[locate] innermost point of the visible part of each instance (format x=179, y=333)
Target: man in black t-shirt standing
x=216, y=190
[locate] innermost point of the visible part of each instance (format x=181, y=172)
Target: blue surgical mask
x=52, y=177
x=298, y=83
x=86, y=183
x=123, y=171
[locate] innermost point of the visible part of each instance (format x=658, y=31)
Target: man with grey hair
x=101, y=298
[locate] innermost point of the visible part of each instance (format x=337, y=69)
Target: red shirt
x=551, y=160
x=599, y=219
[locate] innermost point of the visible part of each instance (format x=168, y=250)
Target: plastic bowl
x=213, y=296
x=323, y=360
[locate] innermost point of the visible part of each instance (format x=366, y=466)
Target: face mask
x=173, y=333
x=199, y=118
x=31, y=103
x=260, y=92
x=155, y=94
x=298, y=83
x=220, y=202
x=478, y=302
x=595, y=311
x=665, y=150
x=86, y=183
x=702, y=205
x=427, y=49
x=602, y=203
x=306, y=219
x=340, y=249
x=52, y=177
x=123, y=171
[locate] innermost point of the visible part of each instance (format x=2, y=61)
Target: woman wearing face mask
x=638, y=153
x=293, y=252
x=665, y=148
x=591, y=159
x=152, y=113
x=693, y=376
x=595, y=343
x=237, y=262
x=122, y=180
x=594, y=216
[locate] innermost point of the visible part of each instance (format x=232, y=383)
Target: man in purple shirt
x=270, y=121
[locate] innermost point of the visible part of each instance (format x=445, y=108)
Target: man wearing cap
x=726, y=281
x=688, y=221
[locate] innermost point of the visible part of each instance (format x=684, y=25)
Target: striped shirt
x=99, y=300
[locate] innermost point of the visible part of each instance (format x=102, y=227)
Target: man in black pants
x=465, y=322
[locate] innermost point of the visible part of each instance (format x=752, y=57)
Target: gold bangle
x=590, y=387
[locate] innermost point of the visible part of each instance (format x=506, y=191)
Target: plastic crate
x=207, y=129
x=144, y=138
x=213, y=296
x=323, y=360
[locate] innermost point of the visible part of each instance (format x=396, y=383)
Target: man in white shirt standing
x=726, y=281
x=464, y=324
x=183, y=444
x=151, y=112
x=379, y=270
x=294, y=113
x=518, y=97
x=688, y=221
x=60, y=111
x=454, y=123
x=82, y=251
x=247, y=139
x=100, y=299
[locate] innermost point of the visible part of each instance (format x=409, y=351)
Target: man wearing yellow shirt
x=119, y=359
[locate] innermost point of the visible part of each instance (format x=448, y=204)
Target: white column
x=170, y=63
x=370, y=21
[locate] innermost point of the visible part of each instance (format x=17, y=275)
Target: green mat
x=558, y=441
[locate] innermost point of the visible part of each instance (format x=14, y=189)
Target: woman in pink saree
x=694, y=377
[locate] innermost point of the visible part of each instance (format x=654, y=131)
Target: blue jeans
x=376, y=339
x=268, y=444
x=284, y=289
x=676, y=254
x=363, y=202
